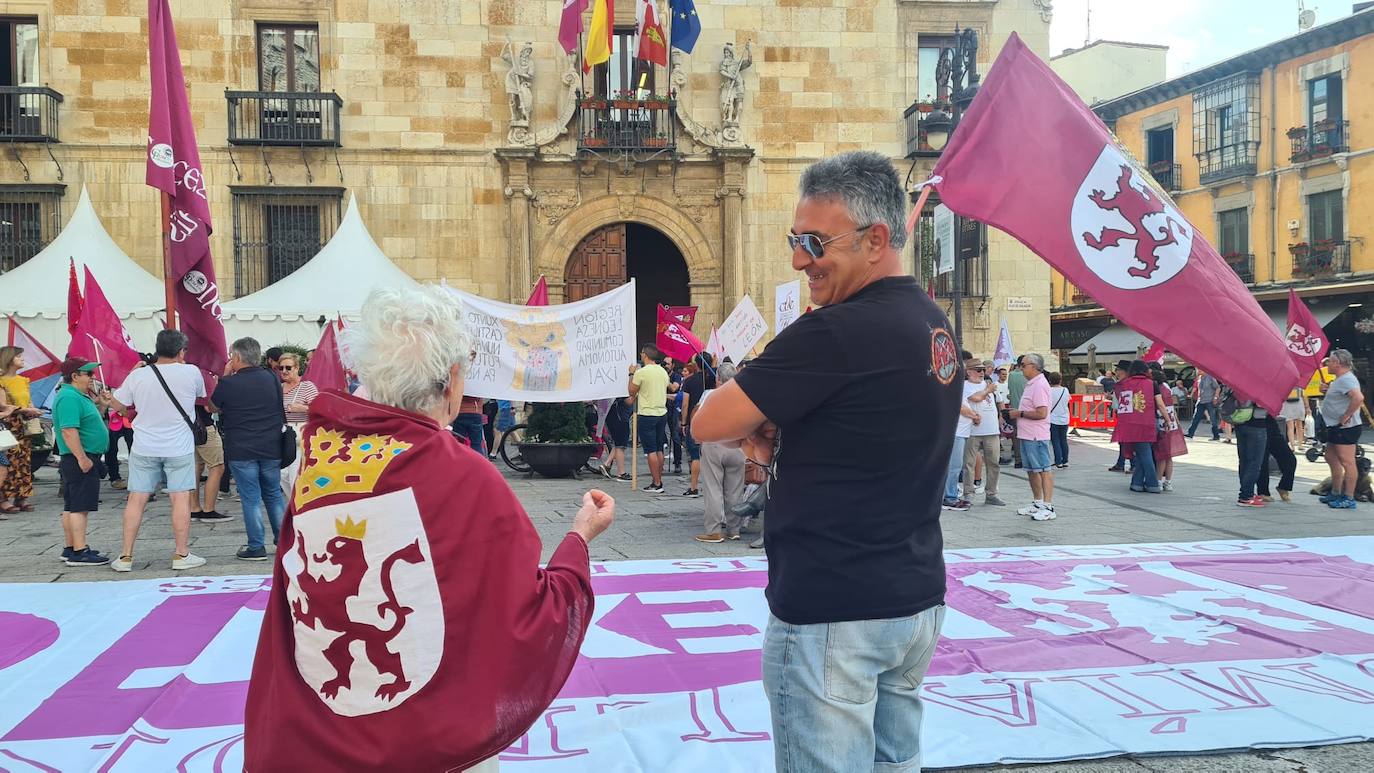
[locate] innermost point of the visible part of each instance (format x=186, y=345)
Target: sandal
x=25, y=508
x=9, y=509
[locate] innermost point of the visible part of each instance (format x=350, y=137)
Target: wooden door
x=597, y=264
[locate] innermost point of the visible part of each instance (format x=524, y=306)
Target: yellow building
x=477, y=151
x=1270, y=154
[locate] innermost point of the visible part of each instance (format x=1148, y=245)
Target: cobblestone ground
x=1095, y=507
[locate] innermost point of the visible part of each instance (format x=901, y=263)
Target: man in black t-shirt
x=853, y=407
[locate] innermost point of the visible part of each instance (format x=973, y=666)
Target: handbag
x=287, y=447
x=197, y=429
x=7, y=440
x=33, y=428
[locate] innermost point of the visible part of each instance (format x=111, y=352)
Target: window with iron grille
x=30, y=217
x=1226, y=127
x=277, y=230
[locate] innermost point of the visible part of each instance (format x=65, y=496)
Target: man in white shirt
x=985, y=438
x=164, y=445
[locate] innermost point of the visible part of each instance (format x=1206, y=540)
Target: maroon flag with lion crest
x=1083, y=203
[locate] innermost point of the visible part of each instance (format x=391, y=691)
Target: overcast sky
x=1197, y=32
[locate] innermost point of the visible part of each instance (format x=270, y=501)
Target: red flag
x=74, y=301
x=675, y=337
x=570, y=26
x=651, y=44
x=683, y=315
x=174, y=168
x=1084, y=205
x=540, y=295
x=1306, y=342
x=38, y=361
x=1155, y=352
x=326, y=369
x=101, y=337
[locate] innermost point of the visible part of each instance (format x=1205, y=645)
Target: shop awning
x=1122, y=340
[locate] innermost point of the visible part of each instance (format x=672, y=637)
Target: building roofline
x=1128, y=44
x=1323, y=36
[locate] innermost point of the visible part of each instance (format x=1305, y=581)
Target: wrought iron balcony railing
x=284, y=118
x=1168, y=174
x=28, y=114
x=624, y=125
x=1319, y=140
x=1320, y=259
x=1243, y=263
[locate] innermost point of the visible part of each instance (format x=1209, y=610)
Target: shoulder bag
x=288, y=434
x=7, y=440
x=197, y=429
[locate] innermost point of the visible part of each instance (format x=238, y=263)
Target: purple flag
x=174, y=168
x=570, y=26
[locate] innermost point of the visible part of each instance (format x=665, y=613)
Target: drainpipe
x=1273, y=173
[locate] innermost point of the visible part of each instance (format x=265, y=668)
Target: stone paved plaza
x=1095, y=508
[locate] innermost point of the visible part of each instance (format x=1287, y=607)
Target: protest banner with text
x=742, y=329
x=786, y=304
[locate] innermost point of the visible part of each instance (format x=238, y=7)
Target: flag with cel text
x=174, y=168
x=1082, y=202
x=1306, y=342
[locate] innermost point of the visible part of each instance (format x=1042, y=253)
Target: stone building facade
x=419, y=117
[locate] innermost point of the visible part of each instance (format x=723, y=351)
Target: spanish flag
x=600, y=35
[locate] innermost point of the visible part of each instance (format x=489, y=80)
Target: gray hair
x=725, y=372
x=1035, y=359
x=866, y=183
x=170, y=343
x=405, y=345
x=248, y=350
x=1343, y=357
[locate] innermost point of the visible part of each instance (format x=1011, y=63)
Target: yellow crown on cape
x=347, y=528
x=338, y=464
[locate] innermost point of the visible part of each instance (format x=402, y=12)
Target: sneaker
x=1030, y=509
x=123, y=564
x=188, y=561
x=1344, y=503
x=251, y=554
x=732, y=536
x=1251, y=502
x=712, y=537
x=692, y=493
x=623, y=477
x=1045, y=513
x=210, y=516
x=66, y=553
x=118, y=485
x=992, y=499
x=978, y=487
x=1116, y=468
x=1166, y=485
x=653, y=489
x=87, y=557
x=677, y=469
x=956, y=505
x=757, y=544
x=1328, y=498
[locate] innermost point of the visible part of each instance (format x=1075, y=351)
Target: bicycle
x=509, y=448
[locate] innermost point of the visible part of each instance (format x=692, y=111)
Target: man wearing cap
x=81, y=439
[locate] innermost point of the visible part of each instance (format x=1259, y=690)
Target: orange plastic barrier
x=1091, y=411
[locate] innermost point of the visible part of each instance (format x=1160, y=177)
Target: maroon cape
x=1135, y=411
x=409, y=626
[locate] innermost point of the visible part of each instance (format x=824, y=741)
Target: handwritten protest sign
x=786, y=304
x=548, y=354
x=742, y=329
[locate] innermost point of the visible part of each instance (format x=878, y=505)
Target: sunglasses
x=814, y=245
x=284, y=368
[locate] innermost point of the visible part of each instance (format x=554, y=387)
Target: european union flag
x=686, y=25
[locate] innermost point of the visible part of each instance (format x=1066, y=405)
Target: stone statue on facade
x=732, y=85
x=519, y=90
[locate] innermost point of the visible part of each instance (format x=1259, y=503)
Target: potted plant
x=594, y=142
x=656, y=102
x=1297, y=133
x=625, y=100
x=594, y=103
x=660, y=141
x=558, y=444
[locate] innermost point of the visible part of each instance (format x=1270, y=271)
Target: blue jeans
x=259, y=481
x=846, y=696
x=956, y=466
x=1206, y=409
x=1143, y=474
x=1252, y=443
x=1059, y=442
x=469, y=425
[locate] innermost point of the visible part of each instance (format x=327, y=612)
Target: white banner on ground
x=742, y=329
x=786, y=304
x=551, y=354
x=944, y=239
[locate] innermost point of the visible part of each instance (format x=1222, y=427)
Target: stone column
x=520, y=258
x=731, y=193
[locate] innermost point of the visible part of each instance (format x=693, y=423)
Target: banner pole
x=634, y=449
x=167, y=261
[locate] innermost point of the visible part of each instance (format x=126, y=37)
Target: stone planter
x=556, y=460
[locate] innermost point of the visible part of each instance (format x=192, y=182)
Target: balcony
x=1079, y=298
x=1168, y=174
x=623, y=125
x=1243, y=263
x=1226, y=162
x=916, y=145
x=1320, y=259
x=28, y=114
x=284, y=118
x=1319, y=140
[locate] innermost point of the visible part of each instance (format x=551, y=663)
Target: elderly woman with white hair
x=409, y=625
x=722, y=478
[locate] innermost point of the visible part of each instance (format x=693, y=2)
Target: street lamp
x=937, y=125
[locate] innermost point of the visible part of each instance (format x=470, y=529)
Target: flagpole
x=167, y=261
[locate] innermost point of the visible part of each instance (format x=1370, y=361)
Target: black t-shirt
x=250, y=415
x=866, y=396
x=693, y=386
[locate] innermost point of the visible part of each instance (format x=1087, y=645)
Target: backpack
x=1233, y=411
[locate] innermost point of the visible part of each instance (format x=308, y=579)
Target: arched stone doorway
x=613, y=254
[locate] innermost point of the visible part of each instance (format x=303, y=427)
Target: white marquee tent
x=36, y=292
x=333, y=283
